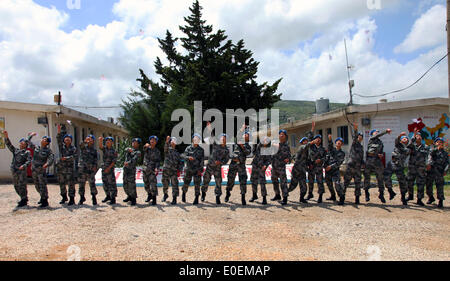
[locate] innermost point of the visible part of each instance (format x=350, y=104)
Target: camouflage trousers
x=437, y=177
x=316, y=174
x=150, y=182
x=20, y=183
x=188, y=175
x=241, y=170
x=170, y=176
x=215, y=171
x=353, y=172
x=333, y=180
x=40, y=181
x=66, y=177
x=279, y=178
x=258, y=176
x=374, y=165
x=129, y=183
x=109, y=183
x=89, y=177
x=418, y=175
x=399, y=172
x=298, y=178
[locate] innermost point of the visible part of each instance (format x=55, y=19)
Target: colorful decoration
x=430, y=134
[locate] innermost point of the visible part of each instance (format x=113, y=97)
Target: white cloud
x=427, y=31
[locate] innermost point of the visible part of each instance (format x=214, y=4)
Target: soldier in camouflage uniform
x=220, y=156
x=279, y=161
x=355, y=163
x=193, y=156
x=438, y=163
x=129, y=171
x=309, y=165
x=108, y=171
x=237, y=166
x=334, y=159
x=42, y=159
x=172, y=165
x=87, y=168
x=417, y=167
x=300, y=167
x=261, y=160
x=373, y=163
x=66, y=170
x=152, y=159
x=317, y=155
x=397, y=166
x=19, y=164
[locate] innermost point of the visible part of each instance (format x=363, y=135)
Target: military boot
x=183, y=197
x=195, y=200
x=431, y=200
x=94, y=200
x=276, y=197
x=44, y=203
x=107, y=198
x=264, y=202
x=284, y=202
x=410, y=197
x=332, y=197
x=357, y=200
x=419, y=202
x=404, y=201
x=22, y=203
x=310, y=195
x=71, y=201
x=341, y=200
x=165, y=197
x=149, y=197
x=133, y=201
x=174, y=201
x=391, y=194
x=381, y=197
x=82, y=200
x=367, y=195
x=112, y=201
x=302, y=198
x=227, y=197
x=243, y=200
x=320, y=199
x=441, y=204
x=203, y=196
x=254, y=197
x=154, y=200
x=63, y=199
x=218, y=200
x=127, y=199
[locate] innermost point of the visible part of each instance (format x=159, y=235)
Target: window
x=342, y=132
x=320, y=132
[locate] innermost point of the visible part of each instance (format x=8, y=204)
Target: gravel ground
x=228, y=232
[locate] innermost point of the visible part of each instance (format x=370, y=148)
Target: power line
x=403, y=89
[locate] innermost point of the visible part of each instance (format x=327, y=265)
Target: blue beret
x=23, y=140
x=49, y=139
x=224, y=135
x=339, y=139
x=283, y=131
x=438, y=139
x=137, y=139
x=68, y=136
x=360, y=134
x=197, y=135
x=92, y=137
x=303, y=139
x=153, y=137
x=109, y=138
x=373, y=131
x=403, y=137
x=317, y=137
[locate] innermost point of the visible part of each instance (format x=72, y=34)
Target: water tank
x=322, y=106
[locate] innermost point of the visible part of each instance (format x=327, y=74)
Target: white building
x=20, y=118
x=430, y=115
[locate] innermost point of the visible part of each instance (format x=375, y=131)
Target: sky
x=91, y=50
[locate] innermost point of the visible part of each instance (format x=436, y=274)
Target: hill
x=299, y=109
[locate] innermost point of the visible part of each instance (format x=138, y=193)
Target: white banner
x=140, y=180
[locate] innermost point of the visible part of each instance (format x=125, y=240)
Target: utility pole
x=448, y=47
x=351, y=83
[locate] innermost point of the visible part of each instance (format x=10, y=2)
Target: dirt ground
x=370, y=231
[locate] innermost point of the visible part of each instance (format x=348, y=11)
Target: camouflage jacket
x=438, y=159
x=302, y=156
x=375, y=145
x=334, y=157
x=261, y=158
x=316, y=153
x=132, y=157
x=41, y=156
x=283, y=153
x=418, y=154
x=198, y=154
x=152, y=158
x=356, y=156
x=70, y=154
x=21, y=157
x=399, y=154
x=172, y=158
x=240, y=153
x=88, y=157
x=219, y=153
x=109, y=157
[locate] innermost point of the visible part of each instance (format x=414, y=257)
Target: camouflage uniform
x=397, y=166
x=194, y=168
x=152, y=160
x=219, y=153
x=258, y=175
x=87, y=168
x=417, y=168
x=439, y=161
x=279, y=169
x=21, y=158
x=300, y=168
x=316, y=170
x=129, y=172
x=354, y=165
x=334, y=159
x=109, y=178
x=373, y=162
x=41, y=156
x=66, y=168
x=237, y=166
x=172, y=164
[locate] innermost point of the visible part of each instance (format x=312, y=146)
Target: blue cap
x=317, y=137
x=23, y=140
x=153, y=137
x=49, y=139
x=92, y=137
x=339, y=139
x=373, y=131
x=109, y=138
x=197, y=135
x=283, y=131
x=403, y=137
x=224, y=135
x=438, y=139
x=246, y=132
x=68, y=136
x=137, y=139
x=303, y=139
